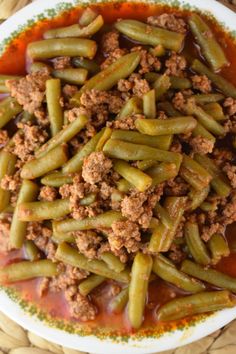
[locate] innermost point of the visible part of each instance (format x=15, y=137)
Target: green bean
x=208, y=275
x=215, y=110
x=54, y=159
x=100, y=221
x=53, y=95
x=3, y=79
x=107, y=132
x=72, y=47
x=155, y=127
x=161, y=86
x=63, y=237
x=69, y=255
x=126, y=151
x=123, y=185
x=193, y=304
x=7, y=167
x=205, y=206
x=38, y=65
x=157, y=51
x=90, y=65
x=133, y=106
x=137, y=178
x=219, y=247
x=145, y=164
x=63, y=136
x=56, y=179
x=224, y=85
x=149, y=104
x=76, y=162
x=36, y=211
x=203, y=98
x=90, y=283
x=197, y=197
x=201, y=131
x=168, y=108
x=146, y=34
x=113, y=262
x=71, y=75
x=167, y=271
x=27, y=270
x=9, y=108
x=162, y=172
x=119, y=302
x=109, y=77
x=31, y=250
x=219, y=181
x=180, y=83
x=195, y=244
x=117, y=196
x=194, y=174
x=160, y=142
x=87, y=17
x=163, y=216
x=76, y=30
x=88, y=199
x=151, y=77
x=140, y=273
x=28, y=193
x=205, y=119
x=211, y=49
x=3, y=88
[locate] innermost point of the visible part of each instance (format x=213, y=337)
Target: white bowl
x=12, y=306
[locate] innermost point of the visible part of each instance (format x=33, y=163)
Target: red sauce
x=13, y=61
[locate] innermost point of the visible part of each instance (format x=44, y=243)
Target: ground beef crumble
x=169, y=21
x=5, y=224
x=175, y=65
x=3, y=137
x=48, y=193
x=95, y=167
x=125, y=234
x=201, y=83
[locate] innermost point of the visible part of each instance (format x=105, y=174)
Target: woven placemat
x=15, y=340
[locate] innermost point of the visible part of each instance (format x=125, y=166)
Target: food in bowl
x=117, y=166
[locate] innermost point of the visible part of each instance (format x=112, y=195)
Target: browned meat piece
x=110, y=42
x=113, y=56
x=179, y=101
x=208, y=231
x=69, y=90
x=48, y=193
x=230, y=105
x=79, y=306
x=12, y=183
x=68, y=276
x=201, y=83
x=175, y=65
x=74, y=113
x=5, y=224
x=201, y=145
x=169, y=21
x=125, y=234
x=176, y=187
x=95, y=167
x=126, y=123
x=3, y=137
x=148, y=62
x=230, y=171
x=140, y=87
x=61, y=63
x=88, y=243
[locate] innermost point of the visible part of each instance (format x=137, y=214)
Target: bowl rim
x=10, y=307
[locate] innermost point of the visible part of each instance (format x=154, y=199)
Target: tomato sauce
x=14, y=61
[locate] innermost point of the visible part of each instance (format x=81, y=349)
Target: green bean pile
x=167, y=165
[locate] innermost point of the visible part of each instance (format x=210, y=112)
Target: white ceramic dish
x=176, y=338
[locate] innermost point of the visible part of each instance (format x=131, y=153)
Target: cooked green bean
x=76, y=162
x=140, y=273
x=87, y=16
x=119, y=302
x=54, y=159
x=206, y=206
x=113, y=262
x=201, y=131
x=90, y=65
x=157, y=51
x=196, y=246
x=109, y=77
x=133, y=175
x=162, y=172
x=194, y=173
x=149, y=104
x=107, y=132
x=88, y=199
x=69, y=255
x=219, y=247
x=193, y=304
x=31, y=250
x=9, y=108
x=71, y=75
x=51, y=48
x=197, y=197
x=155, y=127
x=63, y=136
x=100, y=221
x=28, y=193
x=133, y=106
x=7, y=167
x=219, y=181
x=56, y=179
x=127, y=151
x=53, y=95
x=145, y=164
x=146, y=34
x=225, y=86
x=163, y=215
x=43, y=210
x=167, y=271
x=151, y=77
x=63, y=237
x=168, y=108
x=38, y=65
x=160, y=142
x=204, y=98
x=161, y=86
x=27, y=270
x=3, y=79
x=215, y=110
x=90, y=283
x=123, y=185
x=76, y=30
x=208, y=275
x=175, y=82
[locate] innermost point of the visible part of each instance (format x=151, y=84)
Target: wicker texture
x=15, y=340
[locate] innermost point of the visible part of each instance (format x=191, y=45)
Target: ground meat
x=230, y=105
x=41, y=117
x=169, y=21
x=229, y=211
x=3, y=138
x=148, y=61
x=5, y=224
x=221, y=156
x=74, y=113
x=175, y=65
x=93, y=99
x=48, y=193
x=12, y=184
x=61, y=63
x=69, y=90
x=208, y=231
x=110, y=42
x=125, y=234
x=30, y=90
x=41, y=235
x=88, y=243
x=68, y=276
x=179, y=101
x=140, y=87
x=126, y=123
x=124, y=85
x=201, y=145
x=43, y=286
x=201, y=83
x=231, y=173
x=95, y=167
x=176, y=254
x=79, y=306
x=176, y=187
x=113, y=56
